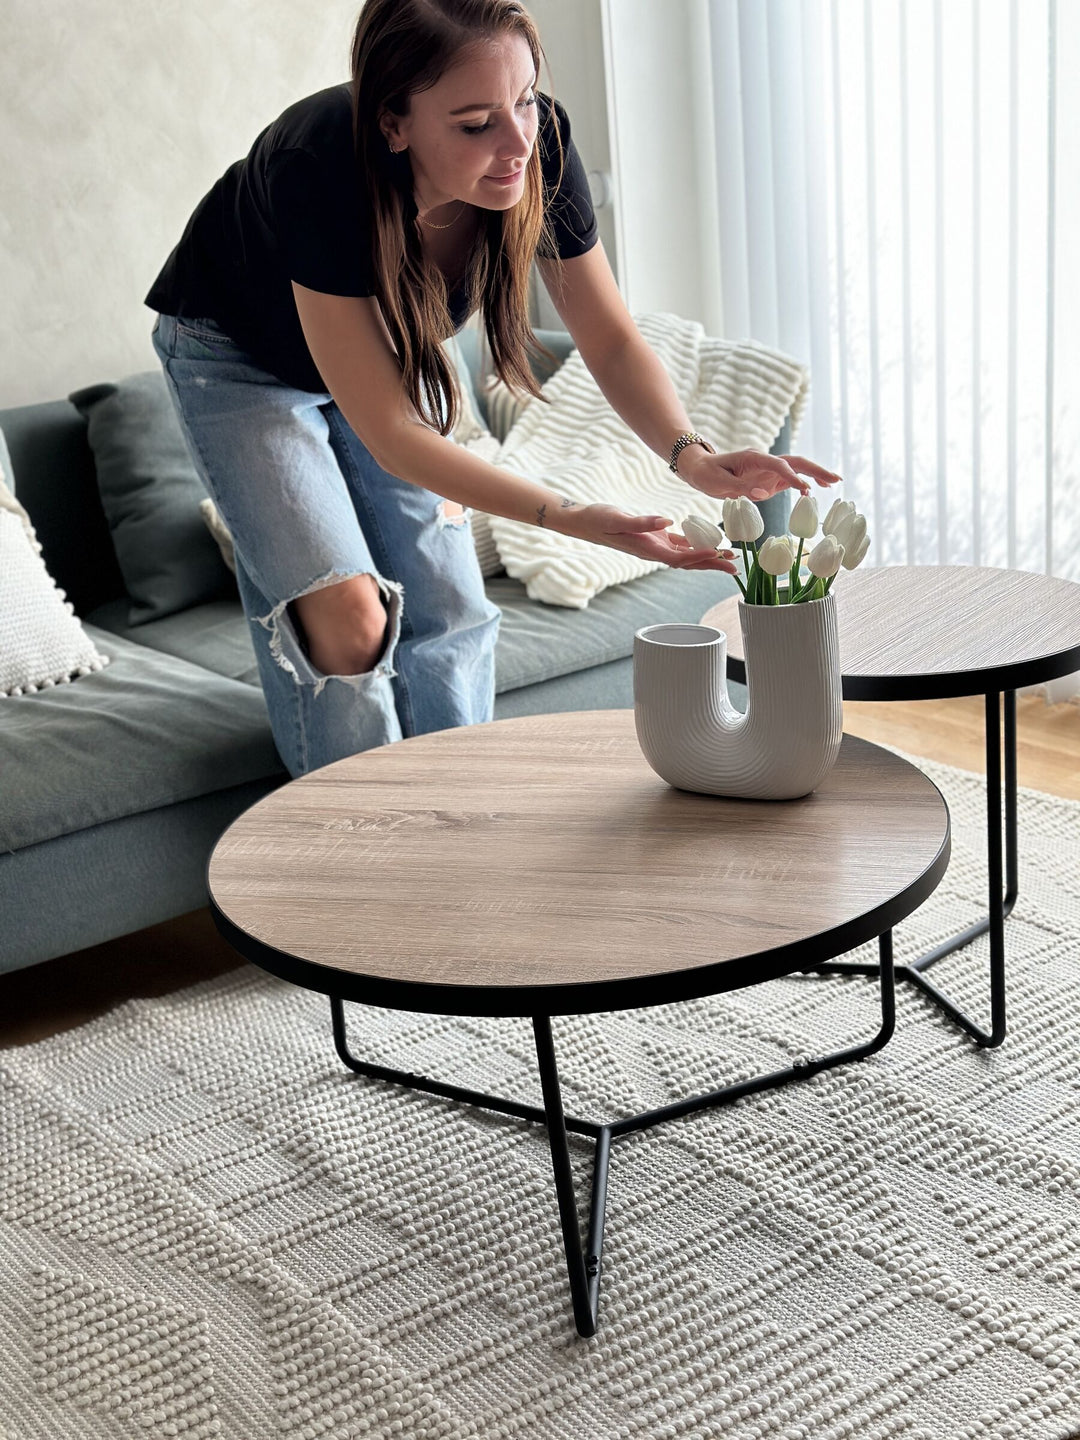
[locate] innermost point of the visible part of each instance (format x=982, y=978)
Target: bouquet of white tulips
x=844, y=542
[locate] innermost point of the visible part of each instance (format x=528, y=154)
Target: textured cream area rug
x=208, y=1227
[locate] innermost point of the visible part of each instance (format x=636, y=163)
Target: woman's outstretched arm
x=351, y=347
x=638, y=388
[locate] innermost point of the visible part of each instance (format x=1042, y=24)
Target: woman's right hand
x=647, y=536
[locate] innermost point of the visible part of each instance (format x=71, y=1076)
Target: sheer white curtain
x=899, y=198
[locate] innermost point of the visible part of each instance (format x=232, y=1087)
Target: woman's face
x=470, y=134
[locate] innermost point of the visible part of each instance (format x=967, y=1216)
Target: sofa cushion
x=150, y=492
x=133, y=872
x=536, y=642
x=215, y=636
x=148, y=731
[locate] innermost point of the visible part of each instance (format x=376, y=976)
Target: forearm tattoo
x=564, y=504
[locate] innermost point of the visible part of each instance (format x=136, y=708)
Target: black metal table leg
x=437, y=1087
x=801, y=1070
x=999, y=906
x=583, y=1267
x=583, y=1264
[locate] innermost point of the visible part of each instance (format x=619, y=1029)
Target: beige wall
x=115, y=121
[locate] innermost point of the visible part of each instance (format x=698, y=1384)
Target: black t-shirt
x=293, y=209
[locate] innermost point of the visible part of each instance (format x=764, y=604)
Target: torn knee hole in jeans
x=450, y=512
x=289, y=651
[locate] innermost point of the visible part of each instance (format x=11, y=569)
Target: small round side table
x=929, y=632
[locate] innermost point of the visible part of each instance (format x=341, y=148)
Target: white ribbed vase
x=789, y=738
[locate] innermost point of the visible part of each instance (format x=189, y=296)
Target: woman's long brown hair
x=401, y=47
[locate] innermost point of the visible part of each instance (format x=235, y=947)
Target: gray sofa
x=113, y=789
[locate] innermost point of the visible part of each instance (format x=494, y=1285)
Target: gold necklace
x=432, y=226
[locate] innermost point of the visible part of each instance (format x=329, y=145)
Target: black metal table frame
x=1003, y=883
x=583, y=1265
x=809, y=955
x=999, y=906
x=995, y=683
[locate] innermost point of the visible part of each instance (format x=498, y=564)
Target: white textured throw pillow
x=471, y=432
x=220, y=531
x=41, y=641
x=504, y=406
x=736, y=393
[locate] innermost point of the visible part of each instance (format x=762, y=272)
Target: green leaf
x=753, y=585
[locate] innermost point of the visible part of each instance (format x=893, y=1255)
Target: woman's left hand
x=752, y=473
x=646, y=536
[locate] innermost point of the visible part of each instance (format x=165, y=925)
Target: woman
x=299, y=326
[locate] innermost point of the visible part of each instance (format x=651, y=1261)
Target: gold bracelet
x=688, y=437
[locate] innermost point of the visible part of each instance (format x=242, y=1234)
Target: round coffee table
x=928, y=632
x=537, y=866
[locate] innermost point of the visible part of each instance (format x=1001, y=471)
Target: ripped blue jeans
x=308, y=506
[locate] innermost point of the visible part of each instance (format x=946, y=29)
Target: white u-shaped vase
x=788, y=739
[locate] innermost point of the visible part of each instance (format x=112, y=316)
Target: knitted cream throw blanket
x=737, y=394
x=208, y=1227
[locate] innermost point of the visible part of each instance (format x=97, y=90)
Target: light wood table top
x=538, y=865
x=927, y=632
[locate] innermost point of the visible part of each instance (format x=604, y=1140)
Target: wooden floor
x=43, y=1000
x=952, y=731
